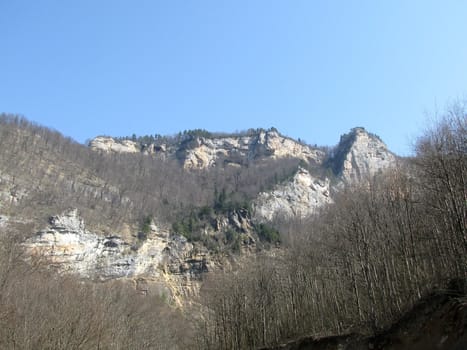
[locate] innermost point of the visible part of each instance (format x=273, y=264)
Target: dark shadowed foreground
x=438, y=321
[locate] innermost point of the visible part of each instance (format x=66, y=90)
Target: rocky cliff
x=197, y=152
x=170, y=259
x=110, y=145
x=360, y=154
x=69, y=247
x=299, y=197
x=203, y=152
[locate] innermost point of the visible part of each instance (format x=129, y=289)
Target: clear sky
x=313, y=68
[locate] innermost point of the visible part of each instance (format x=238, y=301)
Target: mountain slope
x=172, y=206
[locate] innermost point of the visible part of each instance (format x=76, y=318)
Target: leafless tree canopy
x=114, y=189
x=355, y=267
x=362, y=262
x=40, y=309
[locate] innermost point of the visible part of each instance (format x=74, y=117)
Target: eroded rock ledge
x=69, y=247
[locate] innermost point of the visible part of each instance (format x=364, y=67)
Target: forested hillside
x=357, y=266
x=55, y=173
x=255, y=239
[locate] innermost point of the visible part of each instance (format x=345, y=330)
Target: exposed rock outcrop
x=196, y=152
x=110, y=145
x=67, y=245
x=70, y=247
x=204, y=152
x=357, y=155
x=300, y=197
x=360, y=154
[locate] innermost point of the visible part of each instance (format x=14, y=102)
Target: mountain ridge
x=199, y=149
x=115, y=176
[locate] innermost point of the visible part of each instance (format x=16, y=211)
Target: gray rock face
x=202, y=152
x=110, y=145
x=360, y=155
x=67, y=245
x=300, y=197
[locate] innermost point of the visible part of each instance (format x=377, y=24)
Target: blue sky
x=312, y=69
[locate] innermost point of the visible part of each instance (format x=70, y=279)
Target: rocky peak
x=299, y=197
x=360, y=154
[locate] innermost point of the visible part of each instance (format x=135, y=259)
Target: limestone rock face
x=197, y=152
x=204, y=152
x=300, y=197
x=359, y=155
x=68, y=246
x=110, y=145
